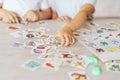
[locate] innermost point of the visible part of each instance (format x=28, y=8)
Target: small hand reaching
x=9, y=16
x=31, y=16
x=67, y=37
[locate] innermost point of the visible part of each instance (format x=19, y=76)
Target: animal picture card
x=31, y=65
x=47, y=56
x=113, y=66
x=30, y=43
x=80, y=62
x=29, y=34
x=40, y=49
x=53, y=64
x=78, y=75
x=65, y=56
x=13, y=28
x=102, y=41
x=18, y=45
x=17, y=34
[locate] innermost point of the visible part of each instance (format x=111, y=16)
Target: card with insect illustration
x=78, y=75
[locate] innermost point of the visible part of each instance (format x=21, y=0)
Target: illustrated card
x=113, y=66
x=78, y=75
x=31, y=65
x=103, y=41
x=18, y=45
x=80, y=61
x=52, y=64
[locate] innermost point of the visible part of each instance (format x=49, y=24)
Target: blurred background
x=107, y=8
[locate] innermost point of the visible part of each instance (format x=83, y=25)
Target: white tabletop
x=11, y=59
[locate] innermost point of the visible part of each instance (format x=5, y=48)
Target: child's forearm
x=0, y=13
x=80, y=19
x=45, y=14
x=0, y=5
x=54, y=15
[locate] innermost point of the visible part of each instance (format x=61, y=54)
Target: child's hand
x=67, y=37
x=64, y=19
x=31, y=16
x=8, y=16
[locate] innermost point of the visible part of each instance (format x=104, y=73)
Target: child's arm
x=37, y=15
x=8, y=16
x=54, y=14
x=0, y=8
x=0, y=5
x=45, y=14
x=78, y=21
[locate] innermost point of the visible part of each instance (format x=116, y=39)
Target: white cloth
x=20, y=7
x=69, y=7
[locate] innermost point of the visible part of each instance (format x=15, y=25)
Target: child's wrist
x=38, y=13
x=67, y=28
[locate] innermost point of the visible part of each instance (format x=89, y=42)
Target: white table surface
x=11, y=59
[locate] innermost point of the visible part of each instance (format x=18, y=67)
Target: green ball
x=92, y=59
x=96, y=70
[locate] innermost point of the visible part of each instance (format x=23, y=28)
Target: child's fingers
x=70, y=39
x=66, y=18
x=60, y=19
x=8, y=21
x=62, y=40
x=25, y=17
x=67, y=41
x=73, y=40
x=11, y=19
x=16, y=19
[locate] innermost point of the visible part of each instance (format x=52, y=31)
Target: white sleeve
x=53, y=5
x=1, y=1
x=93, y=2
x=45, y=4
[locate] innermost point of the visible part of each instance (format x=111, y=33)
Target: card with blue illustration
x=31, y=65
